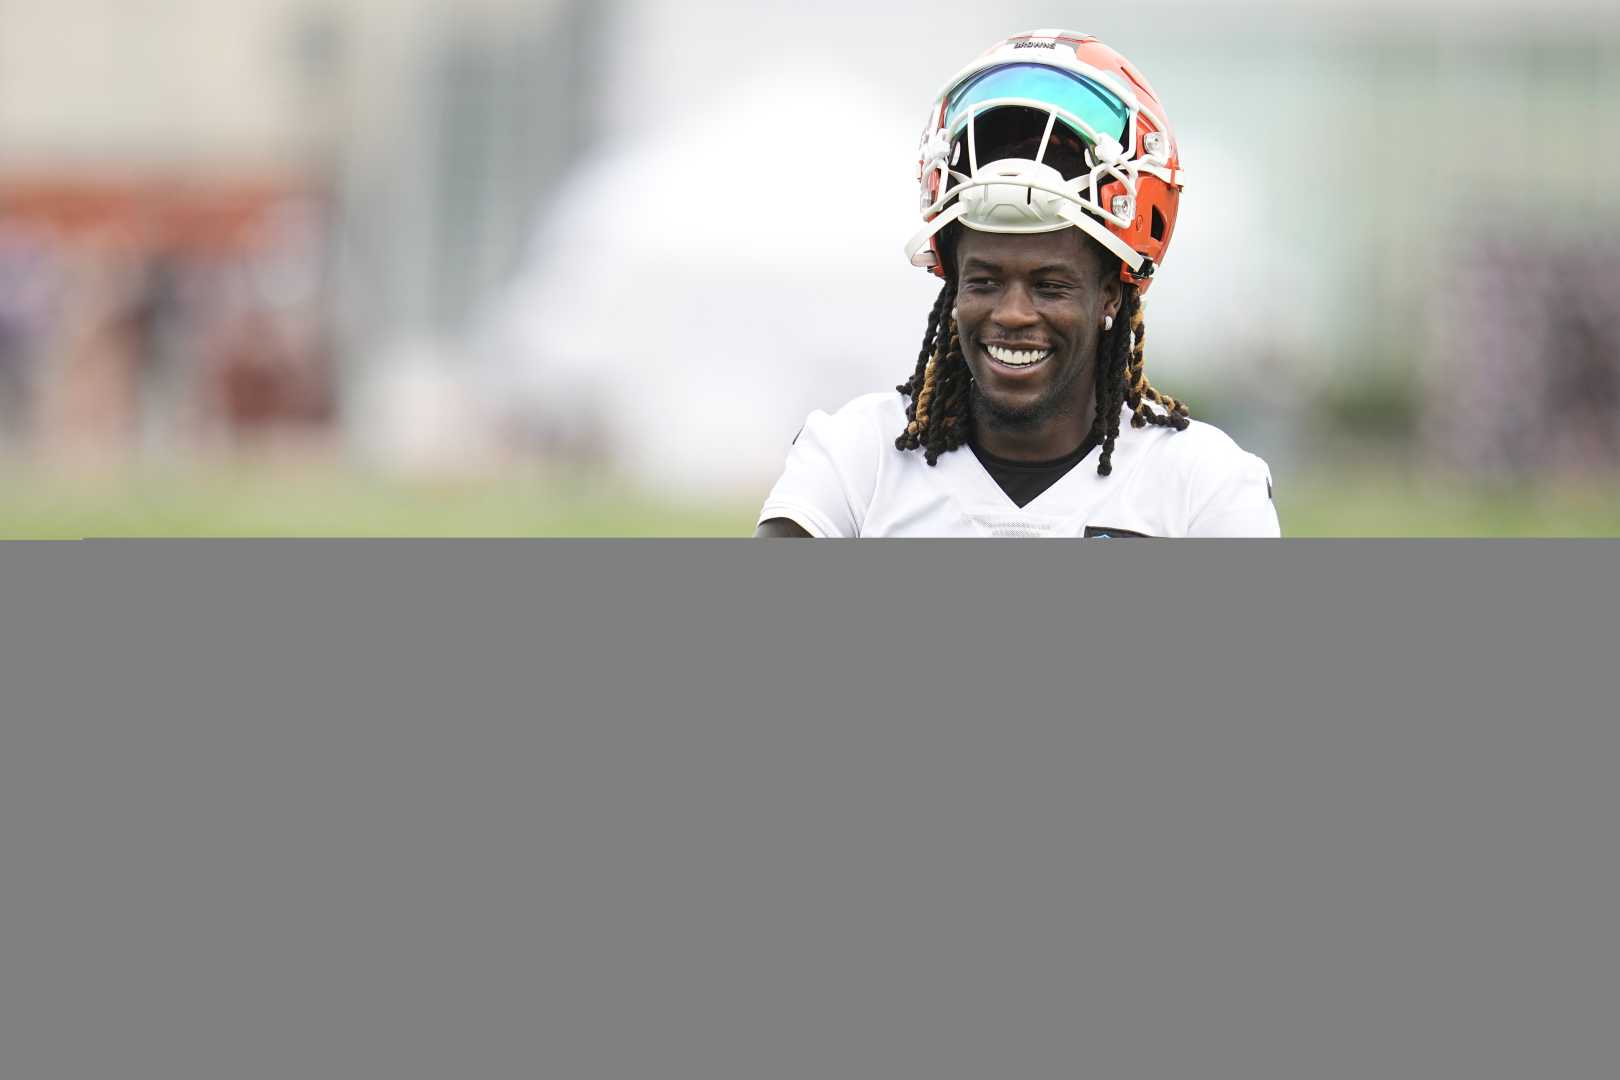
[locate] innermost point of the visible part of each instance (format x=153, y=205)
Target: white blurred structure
x=698, y=290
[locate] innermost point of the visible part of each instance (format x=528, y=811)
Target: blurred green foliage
x=1382, y=405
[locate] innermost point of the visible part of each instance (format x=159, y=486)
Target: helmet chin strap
x=917, y=248
x=1095, y=229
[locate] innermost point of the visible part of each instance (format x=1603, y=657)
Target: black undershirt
x=1023, y=481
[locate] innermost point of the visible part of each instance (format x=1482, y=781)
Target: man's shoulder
x=882, y=407
x=1204, y=438
x=835, y=465
x=1204, y=482
x=863, y=419
x=1200, y=445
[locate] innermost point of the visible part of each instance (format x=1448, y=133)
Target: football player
x=1050, y=180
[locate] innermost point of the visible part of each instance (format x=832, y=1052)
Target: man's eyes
x=975, y=283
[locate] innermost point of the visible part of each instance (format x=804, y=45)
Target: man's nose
x=1015, y=310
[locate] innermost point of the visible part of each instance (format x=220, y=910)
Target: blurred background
x=553, y=267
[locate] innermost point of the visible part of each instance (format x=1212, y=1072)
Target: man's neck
x=1055, y=437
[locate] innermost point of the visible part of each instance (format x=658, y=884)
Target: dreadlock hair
x=1121, y=380
x=939, y=417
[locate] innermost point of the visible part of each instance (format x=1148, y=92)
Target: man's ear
x=1113, y=295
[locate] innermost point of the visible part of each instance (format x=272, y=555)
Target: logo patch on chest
x=1108, y=532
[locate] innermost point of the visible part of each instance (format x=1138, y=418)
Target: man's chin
x=1000, y=413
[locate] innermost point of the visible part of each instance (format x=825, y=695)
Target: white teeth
x=1015, y=357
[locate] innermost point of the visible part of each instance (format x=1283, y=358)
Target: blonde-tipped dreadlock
x=938, y=418
x=1141, y=389
x=926, y=395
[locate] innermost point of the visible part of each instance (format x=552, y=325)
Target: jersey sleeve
x=830, y=476
x=1233, y=498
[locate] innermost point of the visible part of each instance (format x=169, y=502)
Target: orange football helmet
x=1126, y=196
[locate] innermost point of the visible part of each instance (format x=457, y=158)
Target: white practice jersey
x=845, y=478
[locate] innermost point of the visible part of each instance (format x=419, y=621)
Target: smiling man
x=1050, y=183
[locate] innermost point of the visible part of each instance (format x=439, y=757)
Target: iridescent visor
x=1074, y=94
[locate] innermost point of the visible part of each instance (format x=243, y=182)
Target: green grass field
x=301, y=501
x=1394, y=502
x=278, y=501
